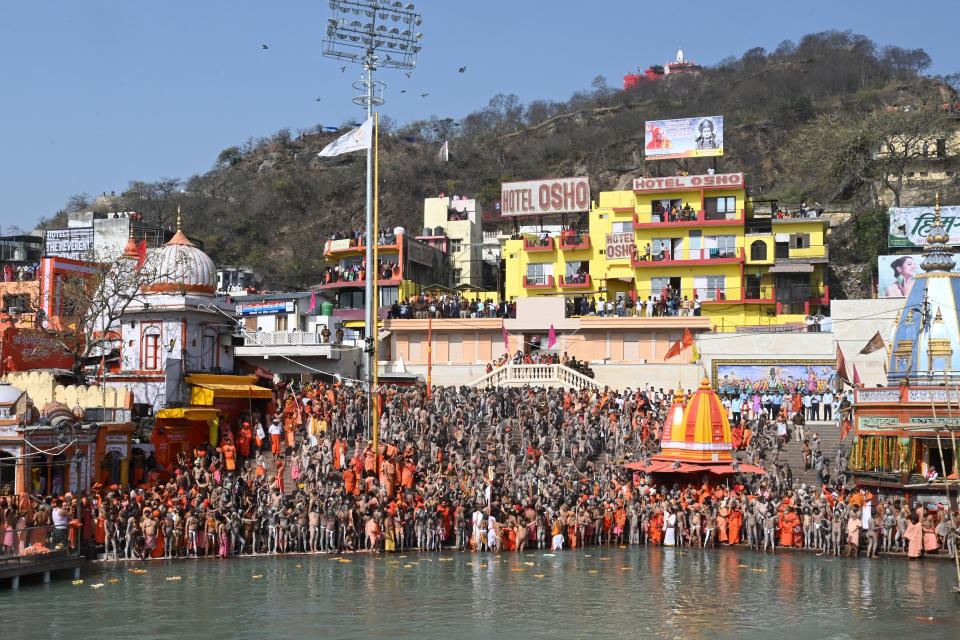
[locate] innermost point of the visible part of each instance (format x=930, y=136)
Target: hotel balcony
x=538, y=282
x=383, y=282
x=576, y=281
x=574, y=241
x=691, y=219
x=538, y=244
x=687, y=257
x=750, y=295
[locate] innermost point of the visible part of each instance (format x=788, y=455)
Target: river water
x=596, y=593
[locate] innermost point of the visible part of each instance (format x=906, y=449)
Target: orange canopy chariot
x=696, y=438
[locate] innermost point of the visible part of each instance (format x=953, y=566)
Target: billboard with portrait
x=896, y=274
x=699, y=137
x=769, y=376
x=909, y=226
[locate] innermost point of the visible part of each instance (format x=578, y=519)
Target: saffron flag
x=856, y=377
x=141, y=253
x=875, y=344
x=313, y=301
x=687, y=338
x=674, y=350
x=506, y=338
x=551, y=338
x=357, y=139
x=841, y=365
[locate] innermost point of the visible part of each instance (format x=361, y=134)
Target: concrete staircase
x=829, y=443
x=537, y=375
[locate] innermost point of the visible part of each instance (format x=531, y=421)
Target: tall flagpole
x=375, y=299
x=370, y=321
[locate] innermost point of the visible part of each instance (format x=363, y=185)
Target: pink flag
x=551, y=338
x=313, y=301
x=506, y=338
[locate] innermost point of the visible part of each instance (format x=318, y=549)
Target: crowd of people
x=467, y=468
x=356, y=272
x=537, y=356
x=453, y=305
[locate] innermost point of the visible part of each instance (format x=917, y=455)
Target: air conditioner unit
x=14, y=310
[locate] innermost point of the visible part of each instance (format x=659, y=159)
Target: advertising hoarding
x=769, y=376
x=897, y=273
x=699, y=137
x=544, y=197
x=69, y=243
x=689, y=183
x=265, y=308
x=909, y=226
x=620, y=246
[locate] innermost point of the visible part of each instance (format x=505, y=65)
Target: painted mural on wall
x=735, y=377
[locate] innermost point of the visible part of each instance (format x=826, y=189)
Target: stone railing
x=543, y=375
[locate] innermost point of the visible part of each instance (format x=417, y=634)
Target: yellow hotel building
x=698, y=235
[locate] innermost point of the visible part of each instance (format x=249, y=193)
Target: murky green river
x=595, y=593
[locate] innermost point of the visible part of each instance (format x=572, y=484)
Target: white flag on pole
x=355, y=140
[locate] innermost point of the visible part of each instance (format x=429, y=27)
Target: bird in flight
x=409, y=74
x=403, y=90
x=462, y=70
x=343, y=69
x=319, y=99
x=263, y=46
x=424, y=95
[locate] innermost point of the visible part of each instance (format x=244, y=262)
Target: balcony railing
x=688, y=219
x=356, y=244
x=574, y=241
x=282, y=338
x=687, y=256
x=538, y=244
x=576, y=281
x=538, y=282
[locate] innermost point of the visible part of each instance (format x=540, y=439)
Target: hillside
x=271, y=203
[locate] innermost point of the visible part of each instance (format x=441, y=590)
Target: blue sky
x=100, y=92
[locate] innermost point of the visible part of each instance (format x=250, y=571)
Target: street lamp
x=373, y=34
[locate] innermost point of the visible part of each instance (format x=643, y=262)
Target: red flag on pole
x=141, y=253
x=687, y=338
x=875, y=344
x=313, y=301
x=856, y=377
x=506, y=337
x=551, y=338
x=674, y=350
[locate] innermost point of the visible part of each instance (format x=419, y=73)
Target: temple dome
x=184, y=268
x=703, y=434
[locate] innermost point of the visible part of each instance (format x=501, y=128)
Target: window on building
x=350, y=299
x=457, y=275
x=456, y=246
x=800, y=241
x=721, y=246
x=539, y=273
x=941, y=148
x=621, y=227
x=758, y=250
x=281, y=323
x=151, y=348
x=720, y=208
x=389, y=295
x=657, y=285
x=715, y=288
x=19, y=302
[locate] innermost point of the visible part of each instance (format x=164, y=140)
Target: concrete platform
x=45, y=566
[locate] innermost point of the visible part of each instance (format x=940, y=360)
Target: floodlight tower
x=373, y=34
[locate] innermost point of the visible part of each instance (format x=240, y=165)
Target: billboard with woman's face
x=896, y=274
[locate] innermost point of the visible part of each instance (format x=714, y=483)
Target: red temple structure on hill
x=657, y=71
